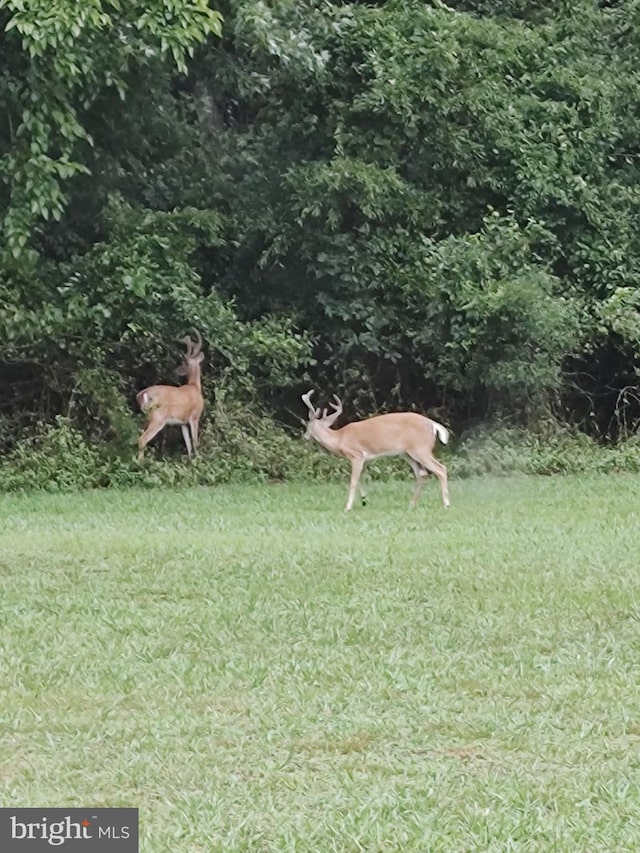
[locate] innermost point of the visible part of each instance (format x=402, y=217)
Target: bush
x=56, y=458
x=553, y=449
x=237, y=445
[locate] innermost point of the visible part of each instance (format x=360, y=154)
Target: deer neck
x=193, y=376
x=328, y=438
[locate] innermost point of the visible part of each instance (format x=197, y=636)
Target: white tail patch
x=441, y=432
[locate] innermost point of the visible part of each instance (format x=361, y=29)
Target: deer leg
x=363, y=488
x=194, y=424
x=153, y=428
x=356, y=470
x=187, y=437
x=431, y=464
x=421, y=478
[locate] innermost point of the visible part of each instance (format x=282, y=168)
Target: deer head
x=193, y=357
x=318, y=417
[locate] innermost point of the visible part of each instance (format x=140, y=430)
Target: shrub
x=240, y=445
x=237, y=445
x=552, y=449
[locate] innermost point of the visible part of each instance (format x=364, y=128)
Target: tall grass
x=257, y=671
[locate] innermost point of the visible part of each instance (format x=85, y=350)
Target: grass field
x=258, y=671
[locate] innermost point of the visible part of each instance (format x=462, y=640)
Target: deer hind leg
x=153, y=427
x=356, y=470
x=431, y=464
x=187, y=438
x=421, y=478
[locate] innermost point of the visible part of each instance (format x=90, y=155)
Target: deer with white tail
x=181, y=405
x=396, y=434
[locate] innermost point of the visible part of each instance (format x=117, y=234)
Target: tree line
x=419, y=205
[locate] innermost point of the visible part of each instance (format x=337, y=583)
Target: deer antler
x=189, y=345
x=337, y=411
x=193, y=349
x=313, y=412
x=198, y=344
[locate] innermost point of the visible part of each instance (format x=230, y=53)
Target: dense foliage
x=417, y=205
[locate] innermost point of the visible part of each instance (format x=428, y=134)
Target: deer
x=406, y=434
x=168, y=404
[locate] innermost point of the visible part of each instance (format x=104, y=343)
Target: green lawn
x=257, y=670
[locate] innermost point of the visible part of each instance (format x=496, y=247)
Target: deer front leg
x=356, y=471
x=194, y=423
x=187, y=438
x=363, y=489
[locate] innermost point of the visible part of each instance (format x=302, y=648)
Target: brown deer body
x=406, y=434
x=182, y=405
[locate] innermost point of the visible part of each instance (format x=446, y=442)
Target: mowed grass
x=258, y=671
